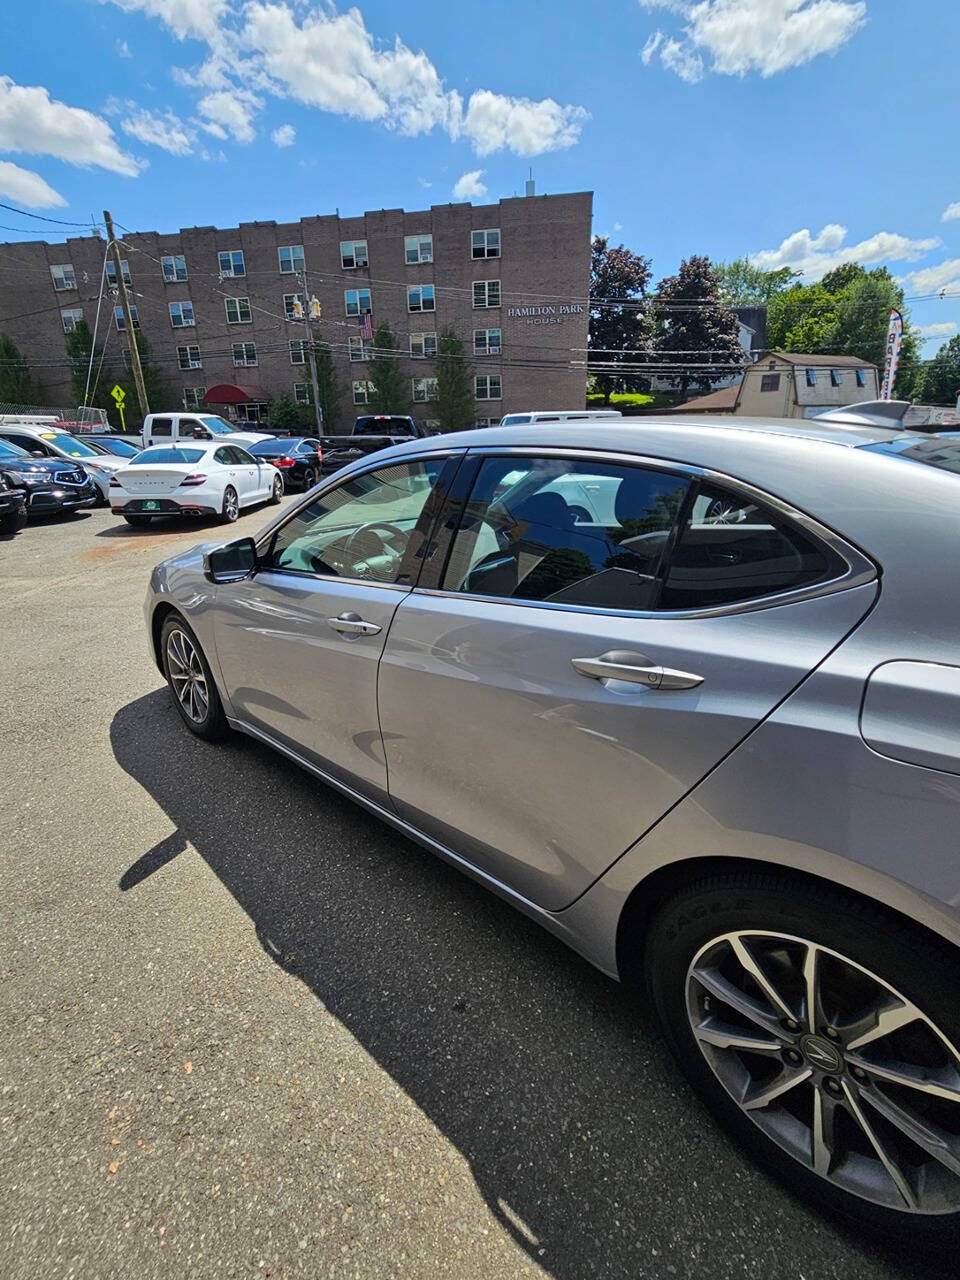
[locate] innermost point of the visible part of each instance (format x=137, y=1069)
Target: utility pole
x=127, y=317
x=311, y=352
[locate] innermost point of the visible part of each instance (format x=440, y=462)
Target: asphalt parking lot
x=249, y=1031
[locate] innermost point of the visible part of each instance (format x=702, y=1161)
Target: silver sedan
x=687, y=694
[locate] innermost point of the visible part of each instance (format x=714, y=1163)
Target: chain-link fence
x=82, y=418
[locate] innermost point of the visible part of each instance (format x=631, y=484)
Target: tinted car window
x=10, y=450
x=30, y=444
x=224, y=456
x=383, y=427
x=578, y=533
x=364, y=528
x=150, y=456
x=122, y=448
x=731, y=549
x=160, y=427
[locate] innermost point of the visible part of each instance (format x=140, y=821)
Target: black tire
x=137, y=521
x=309, y=479
x=276, y=491
x=13, y=521
x=914, y=963
x=212, y=723
x=230, y=511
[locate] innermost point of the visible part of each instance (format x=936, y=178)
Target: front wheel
x=276, y=493
x=824, y=1034
x=13, y=521
x=191, y=683
x=230, y=509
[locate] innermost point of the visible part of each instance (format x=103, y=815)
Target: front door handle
x=351, y=624
x=617, y=667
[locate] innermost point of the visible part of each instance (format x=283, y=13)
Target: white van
x=559, y=415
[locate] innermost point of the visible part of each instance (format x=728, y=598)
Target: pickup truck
x=371, y=432
x=166, y=428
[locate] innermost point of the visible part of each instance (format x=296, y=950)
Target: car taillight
x=282, y=462
x=114, y=483
x=191, y=481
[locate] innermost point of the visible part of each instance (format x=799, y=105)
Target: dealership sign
x=549, y=313
x=892, y=355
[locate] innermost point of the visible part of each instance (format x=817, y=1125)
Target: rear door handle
x=607, y=667
x=351, y=624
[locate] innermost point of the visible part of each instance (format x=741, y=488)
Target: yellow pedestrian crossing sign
x=119, y=395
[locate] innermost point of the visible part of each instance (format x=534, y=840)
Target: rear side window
x=575, y=533
x=731, y=549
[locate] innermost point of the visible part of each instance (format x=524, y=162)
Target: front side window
x=181, y=315
x=487, y=386
x=731, y=549
x=424, y=389
x=231, y=263
x=362, y=392
x=244, y=353
x=193, y=398
x=292, y=306
x=63, y=277
x=238, y=310
x=357, y=302
x=486, y=342
x=174, y=268
x=291, y=258
x=121, y=320
x=485, y=244
x=353, y=253
x=420, y=297
x=189, y=357
x=112, y=272
x=576, y=533
x=298, y=351
x=365, y=528
x=71, y=317
x=418, y=249
x=486, y=293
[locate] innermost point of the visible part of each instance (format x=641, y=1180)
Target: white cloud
x=424, y=182
x=285, y=136
x=230, y=112
x=494, y=122
x=199, y=18
x=941, y=329
x=123, y=49
x=27, y=187
x=816, y=255
x=951, y=213
x=944, y=276
x=469, y=187
x=33, y=122
x=740, y=36
x=160, y=129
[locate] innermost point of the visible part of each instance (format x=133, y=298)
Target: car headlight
x=29, y=477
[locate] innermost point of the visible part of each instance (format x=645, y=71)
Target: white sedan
x=192, y=480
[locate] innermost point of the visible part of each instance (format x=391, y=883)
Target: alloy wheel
x=231, y=505
x=836, y=1067
x=187, y=676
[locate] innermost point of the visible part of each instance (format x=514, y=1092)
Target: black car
x=299, y=459
x=13, y=505
x=119, y=446
x=48, y=485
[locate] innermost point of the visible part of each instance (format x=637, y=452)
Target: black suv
x=13, y=505
x=47, y=485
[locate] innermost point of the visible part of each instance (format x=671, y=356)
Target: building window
x=359, y=348
x=292, y=306
x=238, y=310
x=231, y=264
x=358, y=302
x=420, y=297
x=485, y=244
x=193, y=397
x=174, y=268
x=417, y=249
x=423, y=346
x=112, y=272
x=487, y=386
x=291, y=258
x=298, y=351
x=181, y=315
x=770, y=382
x=835, y=377
x=486, y=342
x=487, y=422
x=811, y=377
x=189, y=357
x=63, y=277
x=486, y=293
x=301, y=392
x=70, y=318
x=424, y=389
x=362, y=392
x=252, y=412
x=861, y=378
x=353, y=253
x=120, y=319
x=244, y=353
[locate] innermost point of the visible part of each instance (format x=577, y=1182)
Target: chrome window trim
x=860, y=569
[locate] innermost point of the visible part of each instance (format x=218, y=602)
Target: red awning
x=227, y=393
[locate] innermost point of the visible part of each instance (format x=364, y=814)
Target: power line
x=40, y=218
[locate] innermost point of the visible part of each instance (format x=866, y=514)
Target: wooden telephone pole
x=127, y=317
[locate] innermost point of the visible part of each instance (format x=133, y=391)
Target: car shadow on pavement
x=581, y=1135
x=160, y=528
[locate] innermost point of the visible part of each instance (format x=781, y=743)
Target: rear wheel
x=824, y=1034
x=309, y=478
x=230, y=509
x=191, y=683
x=276, y=493
x=138, y=522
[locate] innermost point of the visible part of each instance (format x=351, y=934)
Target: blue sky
x=802, y=132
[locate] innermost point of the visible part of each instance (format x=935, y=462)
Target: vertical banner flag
x=366, y=327
x=892, y=357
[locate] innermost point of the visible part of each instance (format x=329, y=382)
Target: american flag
x=366, y=327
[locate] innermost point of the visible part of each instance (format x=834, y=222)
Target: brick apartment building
x=217, y=304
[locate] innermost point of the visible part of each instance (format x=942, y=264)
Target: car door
x=255, y=478
x=299, y=642
x=228, y=472
x=567, y=681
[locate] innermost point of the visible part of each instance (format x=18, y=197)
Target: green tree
x=283, y=413
x=16, y=384
x=744, y=285
x=940, y=381
x=695, y=331
x=619, y=322
x=390, y=392
x=456, y=408
x=329, y=388
x=79, y=342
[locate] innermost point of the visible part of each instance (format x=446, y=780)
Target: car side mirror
x=232, y=563
x=201, y=433
x=37, y=453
